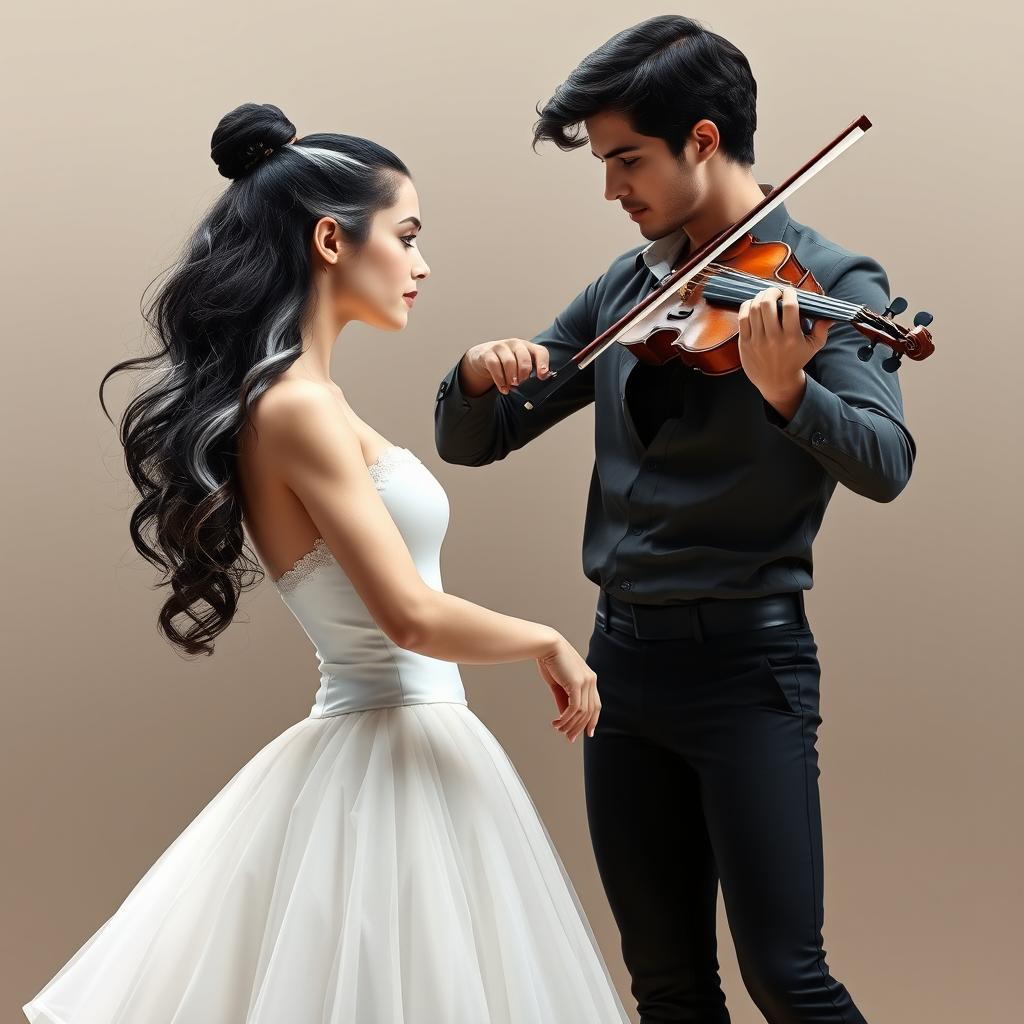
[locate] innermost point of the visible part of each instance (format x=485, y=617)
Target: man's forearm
x=870, y=453
x=465, y=424
x=476, y=422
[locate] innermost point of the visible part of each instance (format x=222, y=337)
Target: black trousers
x=703, y=770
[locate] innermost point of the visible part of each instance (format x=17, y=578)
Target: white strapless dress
x=379, y=862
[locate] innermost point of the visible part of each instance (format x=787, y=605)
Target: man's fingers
x=743, y=318
x=524, y=362
x=751, y=323
x=508, y=364
x=820, y=331
x=512, y=360
x=766, y=304
x=495, y=366
x=790, y=311
x=540, y=358
x=529, y=356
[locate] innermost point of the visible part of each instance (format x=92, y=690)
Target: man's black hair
x=664, y=74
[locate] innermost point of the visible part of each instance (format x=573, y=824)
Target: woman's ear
x=328, y=240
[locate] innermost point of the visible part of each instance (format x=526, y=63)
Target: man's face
x=643, y=176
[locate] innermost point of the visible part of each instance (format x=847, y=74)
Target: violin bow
x=633, y=322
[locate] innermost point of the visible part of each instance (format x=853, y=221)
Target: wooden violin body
x=702, y=327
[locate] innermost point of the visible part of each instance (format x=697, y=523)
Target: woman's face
x=375, y=284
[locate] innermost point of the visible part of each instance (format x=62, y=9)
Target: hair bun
x=243, y=136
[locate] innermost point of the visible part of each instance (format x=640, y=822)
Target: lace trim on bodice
x=304, y=566
x=320, y=554
x=381, y=467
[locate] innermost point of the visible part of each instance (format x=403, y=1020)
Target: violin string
x=808, y=301
x=811, y=301
x=731, y=272
x=812, y=298
x=750, y=286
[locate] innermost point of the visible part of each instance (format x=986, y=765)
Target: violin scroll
x=882, y=329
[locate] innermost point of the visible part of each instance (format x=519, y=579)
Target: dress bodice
x=360, y=666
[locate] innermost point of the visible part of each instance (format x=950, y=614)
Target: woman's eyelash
x=408, y=245
x=629, y=163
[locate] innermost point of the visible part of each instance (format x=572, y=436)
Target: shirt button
x=654, y=465
x=817, y=438
x=625, y=585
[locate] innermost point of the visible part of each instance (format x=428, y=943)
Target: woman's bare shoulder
x=296, y=408
x=288, y=397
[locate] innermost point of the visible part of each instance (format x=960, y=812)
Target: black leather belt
x=697, y=619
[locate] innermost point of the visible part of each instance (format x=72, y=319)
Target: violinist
x=706, y=494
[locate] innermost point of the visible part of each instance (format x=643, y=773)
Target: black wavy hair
x=228, y=319
x=664, y=74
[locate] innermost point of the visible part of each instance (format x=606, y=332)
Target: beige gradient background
x=110, y=743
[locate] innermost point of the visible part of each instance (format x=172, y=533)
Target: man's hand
x=503, y=364
x=773, y=353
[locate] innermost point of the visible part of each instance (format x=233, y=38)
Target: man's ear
x=705, y=136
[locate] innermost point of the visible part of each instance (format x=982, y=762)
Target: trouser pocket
x=777, y=670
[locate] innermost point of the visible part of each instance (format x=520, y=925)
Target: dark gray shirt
x=699, y=487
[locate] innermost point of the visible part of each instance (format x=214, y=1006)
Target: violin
x=701, y=327
x=693, y=314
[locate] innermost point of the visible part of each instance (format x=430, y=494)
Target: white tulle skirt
x=385, y=866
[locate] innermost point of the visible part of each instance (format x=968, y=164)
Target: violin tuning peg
x=897, y=306
x=923, y=319
x=892, y=363
x=865, y=352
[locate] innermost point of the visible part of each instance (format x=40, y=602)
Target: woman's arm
x=318, y=455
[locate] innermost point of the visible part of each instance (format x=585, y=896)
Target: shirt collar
x=660, y=254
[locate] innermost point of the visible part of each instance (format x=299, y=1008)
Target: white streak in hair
x=326, y=157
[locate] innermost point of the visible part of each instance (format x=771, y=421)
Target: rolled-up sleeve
x=851, y=415
x=475, y=431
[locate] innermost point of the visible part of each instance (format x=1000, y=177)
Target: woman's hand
x=574, y=685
